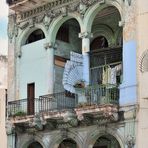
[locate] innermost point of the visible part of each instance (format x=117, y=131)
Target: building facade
x=77, y=74
x=3, y=91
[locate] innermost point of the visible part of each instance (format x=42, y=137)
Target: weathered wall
x=3, y=136
x=63, y=50
x=33, y=68
x=128, y=89
x=142, y=44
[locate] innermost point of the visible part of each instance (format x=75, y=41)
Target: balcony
x=91, y=98
x=96, y=104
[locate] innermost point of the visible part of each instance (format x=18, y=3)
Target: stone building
x=77, y=74
x=3, y=91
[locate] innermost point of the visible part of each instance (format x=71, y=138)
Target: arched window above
x=35, y=36
x=99, y=42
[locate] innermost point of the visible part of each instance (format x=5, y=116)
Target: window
x=35, y=36
x=63, y=34
x=60, y=61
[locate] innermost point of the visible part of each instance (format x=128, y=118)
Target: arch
x=70, y=135
x=143, y=63
x=25, y=142
x=68, y=140
x=93, y=11
x=104, y=30
x=57, y=23
x=25, y=33
x=94, y=135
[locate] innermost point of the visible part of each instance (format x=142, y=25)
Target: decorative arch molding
x=95, y=134
x=69, y=135
x=57, y=23
x=25, y=142
x=93, y=11
x=143, y=62
x=22, y=37
x=104, y=30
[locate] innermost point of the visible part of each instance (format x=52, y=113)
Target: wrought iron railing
x=21, y=108
x=57, y=101
x=98, y=94
x=46, y=103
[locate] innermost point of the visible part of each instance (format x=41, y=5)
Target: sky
x=3, y=27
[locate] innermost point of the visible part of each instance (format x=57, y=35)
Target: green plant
x=20, y=113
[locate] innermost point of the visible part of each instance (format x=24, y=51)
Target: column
x=50, y=66
x=128, y=88
x=10, y=134
x=86, y=57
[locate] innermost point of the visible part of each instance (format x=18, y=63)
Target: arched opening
x=106, y=141
x=67, y=40
x=35, y=36
x=99, y=42
x=35, y=145
x=68, y=143
x=106, y=48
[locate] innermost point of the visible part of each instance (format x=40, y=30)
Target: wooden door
x=30, y=98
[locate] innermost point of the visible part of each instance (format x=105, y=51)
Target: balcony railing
x=57, y=101
x=46, y=103
x=97, y=94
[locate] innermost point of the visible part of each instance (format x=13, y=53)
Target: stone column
x=128, y=87
x=86, y=57
x=10, y=134
x=50, y=61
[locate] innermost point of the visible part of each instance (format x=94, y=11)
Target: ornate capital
x=9, y=128
x=130, y=141
x=121, y=23
x=129, y=2
x=85, y=35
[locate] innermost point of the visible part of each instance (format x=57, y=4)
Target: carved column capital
x=85, y=35
x=121, y=23
x=130, y=141
x=9, y=128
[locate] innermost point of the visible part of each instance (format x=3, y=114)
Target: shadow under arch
x=58, y=22
x=56, y=141
x=94, y=10
x=104, y=30
x=26, y=142
x=25, y=34
x=96, y=134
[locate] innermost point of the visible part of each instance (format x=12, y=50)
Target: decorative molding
x=130, y=141
x=91, y=2
x=12, y=27
x=128, y=1
x=143, y=62
x=9, y=127
x=54, y=8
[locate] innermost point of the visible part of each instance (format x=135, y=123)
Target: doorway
x=30, y=98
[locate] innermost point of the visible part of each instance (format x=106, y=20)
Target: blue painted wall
x=128, y=86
